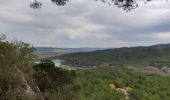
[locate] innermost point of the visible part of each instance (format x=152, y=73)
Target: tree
x=16, y=70
x=49, y=77
x=126, y=5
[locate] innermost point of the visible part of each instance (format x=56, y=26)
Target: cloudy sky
x=85, y=23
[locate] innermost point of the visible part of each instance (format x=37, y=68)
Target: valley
x=84, y=50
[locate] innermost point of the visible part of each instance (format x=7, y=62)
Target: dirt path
x=125, y=92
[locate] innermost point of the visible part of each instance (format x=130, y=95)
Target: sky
x=85, y=23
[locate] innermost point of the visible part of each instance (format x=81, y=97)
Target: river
x=58, y=63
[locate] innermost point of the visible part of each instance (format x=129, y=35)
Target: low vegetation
x=22, y=79
x=93, y=84
x=16, y=82
x=104, y=84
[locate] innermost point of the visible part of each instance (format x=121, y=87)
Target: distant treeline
x=156, y=55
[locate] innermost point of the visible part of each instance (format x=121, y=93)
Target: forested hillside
x=16, y=82
x=156, y=55
x=22, y=79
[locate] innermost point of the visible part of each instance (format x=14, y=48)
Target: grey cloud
x=84, y=23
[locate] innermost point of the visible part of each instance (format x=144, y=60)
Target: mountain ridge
x=55, y=49
x=141, y=55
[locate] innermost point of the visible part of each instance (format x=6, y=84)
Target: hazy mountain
x=53, y=49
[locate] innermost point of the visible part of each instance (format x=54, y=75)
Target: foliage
x=36, y=4
x=52, y=81
x=136, y=56
x=126, y=5
x=15, y=58
x=17, y=73
x=93, y=84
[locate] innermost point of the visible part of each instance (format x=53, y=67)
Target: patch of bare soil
x=163, y=71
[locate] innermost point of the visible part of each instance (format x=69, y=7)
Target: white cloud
x=85, y=23
x=163, y=35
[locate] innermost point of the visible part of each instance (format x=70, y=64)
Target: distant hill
x=52, y=49
x=155, y=55
x=44, y=49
